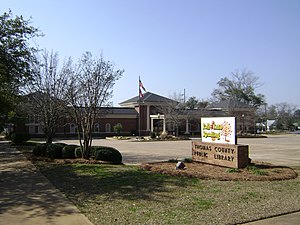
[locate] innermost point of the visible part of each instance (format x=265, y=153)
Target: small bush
x=40, y=149
x=18, y=138
x=118, y=128
x=68, y=151
x=107, y=154
x=232, y=170
x=255, y=170
x=94, y=150
x=153, y=135
x=260, y=172
x=54, y=150
x=78, y=153
x=188, y=160
x=164, y=136
x=173, y=160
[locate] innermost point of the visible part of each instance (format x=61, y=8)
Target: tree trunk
x=177, y=131
x=49, y=139
x=86, y=152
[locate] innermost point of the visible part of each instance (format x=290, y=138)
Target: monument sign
x=219, y=144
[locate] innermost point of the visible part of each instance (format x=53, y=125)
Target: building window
x=108, y=128
x=97, y=128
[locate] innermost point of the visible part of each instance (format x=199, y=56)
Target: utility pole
x=183, y=95
x=266, y=117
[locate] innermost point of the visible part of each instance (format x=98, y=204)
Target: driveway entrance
x=283, y=150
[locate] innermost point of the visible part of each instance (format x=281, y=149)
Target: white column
x=187, y=126
x=151, y=124
x=148, y=118
x=164, y=126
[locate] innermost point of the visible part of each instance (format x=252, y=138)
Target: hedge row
x=107, y=154
x=59, y=151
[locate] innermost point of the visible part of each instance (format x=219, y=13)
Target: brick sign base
x=233, y=156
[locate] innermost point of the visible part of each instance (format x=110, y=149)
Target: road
x=283, y=150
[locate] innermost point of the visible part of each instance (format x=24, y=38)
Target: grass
x=119, y=194
x=255, y=170
x=25, y=147
x=232, y=170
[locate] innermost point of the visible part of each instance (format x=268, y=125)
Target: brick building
x=151, y=113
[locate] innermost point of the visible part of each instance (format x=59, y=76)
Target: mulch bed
x=261, y=172
x=33, y=158
x=268, y=171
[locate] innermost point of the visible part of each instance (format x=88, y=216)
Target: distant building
x=244, y=114
x=151, y=113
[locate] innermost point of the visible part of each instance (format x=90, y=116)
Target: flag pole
x=139, y=110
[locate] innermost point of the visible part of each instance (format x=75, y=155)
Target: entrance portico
x=151, y=113
x=148, y=110
x=158, y=117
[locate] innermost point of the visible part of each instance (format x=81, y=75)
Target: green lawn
x=118, y=194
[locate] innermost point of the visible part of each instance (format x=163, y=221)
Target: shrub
x=40, y=149
x=94, y=150
x=153, y=135
x=77, y=152
x=173, y=160
x=68, y=151
x=188, y=160
x=107, y=154
x=255, y=170
x=118, y=128
x=164, y=136
x=19, y=137
x=54, y=150
x=232, y=170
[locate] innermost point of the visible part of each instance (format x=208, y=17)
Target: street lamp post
x=266, y=118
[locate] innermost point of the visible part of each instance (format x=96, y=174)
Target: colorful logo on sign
x=218, y=130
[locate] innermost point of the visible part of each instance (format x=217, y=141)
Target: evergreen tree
x=16, y=56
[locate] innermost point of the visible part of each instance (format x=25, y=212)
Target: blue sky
x=175, y=45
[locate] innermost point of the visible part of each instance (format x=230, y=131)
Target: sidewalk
x=288, y=219
x=27, y=197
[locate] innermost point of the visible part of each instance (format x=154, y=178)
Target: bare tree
x=240, y=87
x=90, y=84
x=285, y=114
x=173, y=110
x=46, y=92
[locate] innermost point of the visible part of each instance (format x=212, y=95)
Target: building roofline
x=148, y=97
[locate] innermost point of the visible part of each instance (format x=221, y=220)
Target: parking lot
x=283, y=150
